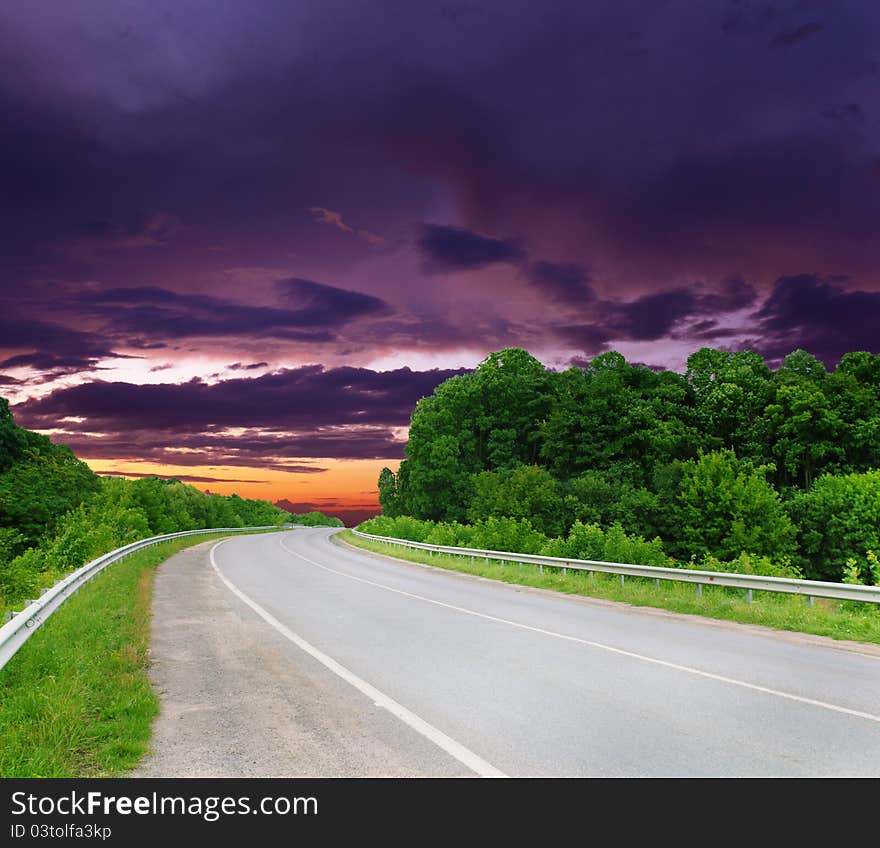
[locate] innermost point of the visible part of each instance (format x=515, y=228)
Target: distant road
x=351, y=664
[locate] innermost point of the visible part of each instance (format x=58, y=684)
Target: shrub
x=400, y=527
x=838, y=519
x=590, y=541
x=747, y=563
x=508, y=534
x=725, y=506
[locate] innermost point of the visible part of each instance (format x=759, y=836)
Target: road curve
x=457, y=675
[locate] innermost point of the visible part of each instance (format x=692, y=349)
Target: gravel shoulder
x=238, y=700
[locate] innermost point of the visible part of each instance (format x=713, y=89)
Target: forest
x=56, y=514
x=731, y=465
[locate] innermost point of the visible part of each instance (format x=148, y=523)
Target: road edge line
x=455, y=749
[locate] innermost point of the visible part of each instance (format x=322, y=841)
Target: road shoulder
x=237, y=701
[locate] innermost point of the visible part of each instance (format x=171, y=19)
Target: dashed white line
x=653, y=660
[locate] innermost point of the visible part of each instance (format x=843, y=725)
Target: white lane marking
x=664, y=663
x=464, y=755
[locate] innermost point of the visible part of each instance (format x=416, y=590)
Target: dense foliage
x=315, y=519
x=728, y=459
x=582, y=541
x=56, y=514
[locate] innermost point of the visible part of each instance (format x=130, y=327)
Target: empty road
x=363, y=665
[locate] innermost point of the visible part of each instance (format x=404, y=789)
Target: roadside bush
x=725, y=506
x=524, y=492
x=20, y=578
x=747, y=563
x=590, y=541
x=584, y=541
x=453, y=534
x=401, y=527
x=507, y=534
x=838, y=519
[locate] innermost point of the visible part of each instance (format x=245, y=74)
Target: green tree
x=838, y=519
x=485, y=420
x=806, y=432
x=11, y=441
x=612, y=413
x=853, y=391
x=38, y=489
x=731, y=391
x=388, y=498
x=725, y=506
x=527, y=491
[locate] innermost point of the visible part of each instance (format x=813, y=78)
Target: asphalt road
x=393, y=668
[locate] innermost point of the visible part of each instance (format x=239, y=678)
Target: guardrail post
x=749, y=596
x=622, y=578
x=812, y=600
x=540, y=568
x=657, y=582
x=699, y=590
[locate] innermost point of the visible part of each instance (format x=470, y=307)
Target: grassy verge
x=839, y=620
x=44, y=580
x=76, y=700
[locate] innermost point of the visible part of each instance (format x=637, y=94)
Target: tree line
x=56, y=514
x=730, y=458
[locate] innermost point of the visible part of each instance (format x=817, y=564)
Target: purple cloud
x=564, y=282
x=819, y=315
x=448, y=249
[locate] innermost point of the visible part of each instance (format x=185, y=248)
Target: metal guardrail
x=15, y=632
x=748, y=582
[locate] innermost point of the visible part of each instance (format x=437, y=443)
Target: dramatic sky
x=241, y=239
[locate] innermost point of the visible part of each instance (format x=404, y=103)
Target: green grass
x=836, y=619
x=76, y=700
x=44, y=580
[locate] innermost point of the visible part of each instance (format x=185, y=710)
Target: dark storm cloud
x=314, y=312
x=319, y=303
x=162, y=314
x=649, y=317
x=448, y=249
x=734, y=293
x=564, y=282
x=587, y=337
x=796, y=35
x=781, y=186
x=49, y=346
x=656, y=316
x=657, y=143
x=299, y=397
x=819, y=315
x=302, y=412
x=266, y=449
